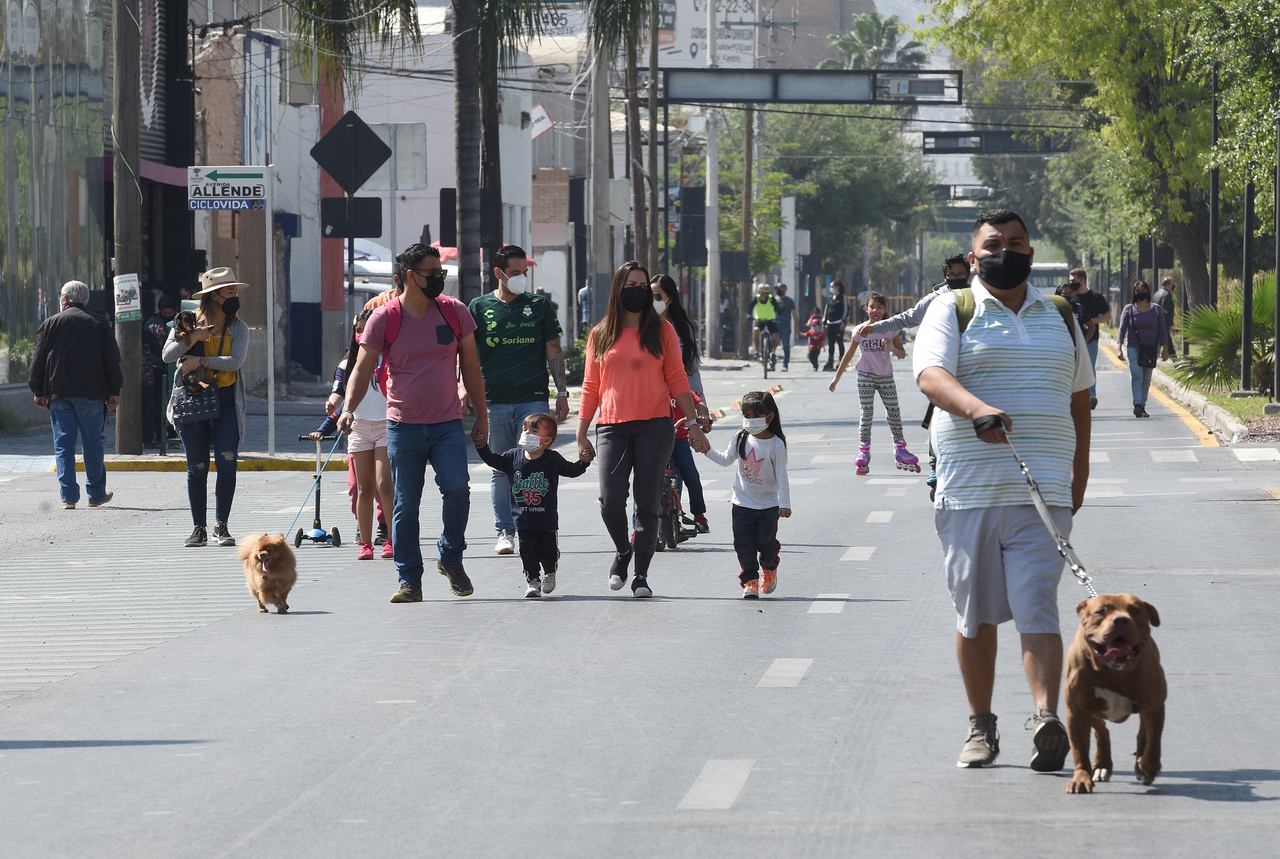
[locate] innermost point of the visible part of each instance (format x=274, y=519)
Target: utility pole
x=744, y=290
x=601, y=152
x=712, y=328
x=653, y=139
x=1246, y=283
x=127, y=212
x=1213, y=219
x=467, y=136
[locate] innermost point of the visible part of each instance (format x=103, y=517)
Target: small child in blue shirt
x=535, y=474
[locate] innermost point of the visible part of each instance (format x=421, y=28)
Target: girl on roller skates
x=875, y=375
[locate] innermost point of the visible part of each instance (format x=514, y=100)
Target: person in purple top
x=1142, y=325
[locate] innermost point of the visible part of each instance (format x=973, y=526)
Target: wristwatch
x=560, y=394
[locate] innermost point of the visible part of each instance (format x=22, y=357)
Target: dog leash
x=337, y=441
x=1064, y=545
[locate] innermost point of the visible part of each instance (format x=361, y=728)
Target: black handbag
x=1148, y=356
x=189, y=408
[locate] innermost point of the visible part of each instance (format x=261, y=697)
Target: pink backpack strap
x=450, y=314
x=394, y=317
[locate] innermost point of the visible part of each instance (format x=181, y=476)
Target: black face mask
x=957, y=283
x=634, y=298
x=230, y=306
x=1141, y=296
x=432, y=284
x=1007, y=269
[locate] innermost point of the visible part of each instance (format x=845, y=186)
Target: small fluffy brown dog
x=1113, y=671
x=269, y=570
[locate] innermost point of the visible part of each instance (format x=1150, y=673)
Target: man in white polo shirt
x=1020, y=361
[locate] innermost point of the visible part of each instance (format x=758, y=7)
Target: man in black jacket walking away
x=75, y=374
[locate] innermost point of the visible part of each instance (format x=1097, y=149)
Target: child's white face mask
x=530, y=442
x=755, y=425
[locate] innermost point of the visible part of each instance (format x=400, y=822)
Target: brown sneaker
x=457, y=576
x=407, y=593
x=983, y=744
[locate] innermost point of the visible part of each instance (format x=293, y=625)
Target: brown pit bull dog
x=1113, y=671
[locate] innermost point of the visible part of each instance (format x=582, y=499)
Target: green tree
x=875, y=42
x=333, y=37
x=1149, y=97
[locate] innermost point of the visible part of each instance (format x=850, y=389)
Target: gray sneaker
x=106, y=497
x=548, y=582
x=982, y=746
x=533, y=589
x=1050, y=739
x=407, y=593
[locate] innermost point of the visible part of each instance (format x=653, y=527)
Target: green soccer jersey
x=511, y=341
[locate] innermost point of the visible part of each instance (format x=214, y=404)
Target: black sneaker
x=382, y=534
x=618, y=572
x=198, y=538
x=457, y=576
x=221, y=534
x=1050, y=739
x=407, y=593
x=1093, y=403
x=640, y=588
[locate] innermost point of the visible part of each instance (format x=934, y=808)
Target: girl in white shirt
x=760, y=493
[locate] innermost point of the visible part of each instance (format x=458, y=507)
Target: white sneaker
x=548, y=582
x=533, y=591
x=616, y=582
x=506, y=546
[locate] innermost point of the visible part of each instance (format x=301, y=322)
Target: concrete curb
x=248, y=462
x=1210, y=414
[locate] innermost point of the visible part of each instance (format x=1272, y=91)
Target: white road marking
x=1117, y=480
x=718, y=786
x=892, y=481
x=858, y=553
x=1206, y=480
x=1256, y=454
x=1103, y=491
x=1173, y=456
x=805, y=439
x=895, y=492
x=828, y=604
x=784, y=674
x=879, y=517
x=1099, y=456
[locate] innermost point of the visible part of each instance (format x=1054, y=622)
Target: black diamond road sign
x=350, y=152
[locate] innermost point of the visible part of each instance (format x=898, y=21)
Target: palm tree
x=614, y=25
x=466, y=136
x=503, y=26
x=873, y=43
x=332, y=37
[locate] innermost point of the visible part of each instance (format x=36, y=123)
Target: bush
x=575, y=361
x=1219, y=331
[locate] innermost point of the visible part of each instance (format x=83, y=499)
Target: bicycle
x=671, y=518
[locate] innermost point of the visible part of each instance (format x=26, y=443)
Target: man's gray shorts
x=1002, y=564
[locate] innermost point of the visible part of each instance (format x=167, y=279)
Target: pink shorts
x=366, y=435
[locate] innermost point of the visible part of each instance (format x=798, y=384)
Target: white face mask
x=755, y=425
x=659, y=306
x=530, y=442
x=517, y=283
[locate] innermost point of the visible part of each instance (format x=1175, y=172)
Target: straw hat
x=217, y=278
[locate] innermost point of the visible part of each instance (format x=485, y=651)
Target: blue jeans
x=1139, y=377
x=410, y=447
x=682, y=458
x=505, y=420
x=784, y=331
x=223, y=436
x=1093, y=362
x=86, y=418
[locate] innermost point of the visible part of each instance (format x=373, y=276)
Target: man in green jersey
x=518, y=341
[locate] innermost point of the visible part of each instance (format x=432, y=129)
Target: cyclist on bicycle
x=765, y=313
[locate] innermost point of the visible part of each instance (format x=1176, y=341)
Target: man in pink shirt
x=424, y=414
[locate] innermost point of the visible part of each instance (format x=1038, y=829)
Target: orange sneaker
x=770, y=581
x=751, y=589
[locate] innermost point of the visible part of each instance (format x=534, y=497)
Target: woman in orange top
x=633, y=372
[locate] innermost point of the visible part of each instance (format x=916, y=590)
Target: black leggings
x=835, y=339
x=633, y=453
x=538, y=547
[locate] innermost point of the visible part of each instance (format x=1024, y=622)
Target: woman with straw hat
x=224, y=341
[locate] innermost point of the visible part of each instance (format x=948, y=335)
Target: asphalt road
x=148, y=710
